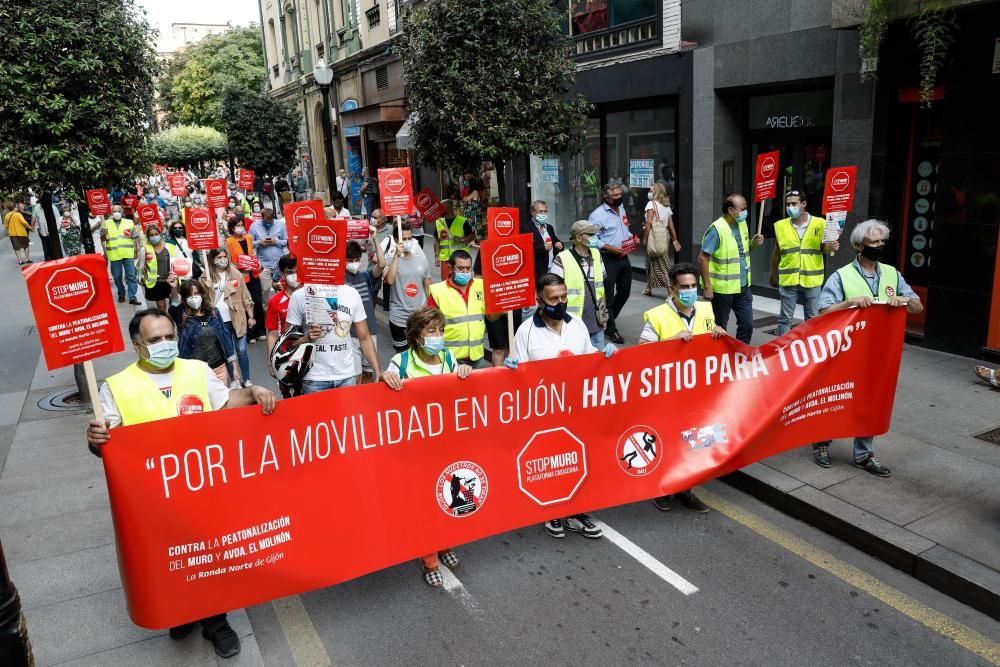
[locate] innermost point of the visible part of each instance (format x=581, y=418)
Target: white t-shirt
x=662, y=212
x=334, y=356
x=801, y=224
x=533, y=342
x=220, y=291
x=218, y=393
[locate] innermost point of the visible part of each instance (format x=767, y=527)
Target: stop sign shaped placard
x=552, y=466
x=322, y=240
x=502, y=221
x=201, y=233
x=70, y=290
x=507, y=259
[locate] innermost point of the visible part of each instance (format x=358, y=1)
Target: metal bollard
x=15, y=647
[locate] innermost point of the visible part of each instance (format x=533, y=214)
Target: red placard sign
x=178, y=188
x=99, y=202
x=428, y=205
x=631, y=244
x=766, y=181
x=147, y=214
x=247, y=263
x=838, y=193
x=74, y=309
x=180, y=266
x=321, y=250
x=201, y=233
x=216, y=193
x=395, y=191
x=245, y=179
x=503, y=222
x=357, y=230
x=298, y=214
x=508, y=272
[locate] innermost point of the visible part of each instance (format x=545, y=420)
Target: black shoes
x=182, y=631
x=874, y=466
x=821, y=455
x=219, y=632
x=121, y=298
x=662, y=503
x=616, y=338
x=690, y=501
x=134, y=301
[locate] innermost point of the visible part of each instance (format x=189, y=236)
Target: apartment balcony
x=605, y=28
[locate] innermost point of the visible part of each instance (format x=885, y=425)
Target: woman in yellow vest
x=451, y=232
x=156, y=272
x=681, y=317
x=426, y=356
x=797, y=260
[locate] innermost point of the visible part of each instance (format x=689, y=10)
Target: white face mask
x=221, y=261
x=239, y=231
x=354, y=267
x=410, y=246
x=292, y=280
x=116, y=215
x=194, y=302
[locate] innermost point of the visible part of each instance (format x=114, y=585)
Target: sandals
x=988, y=375
x=450, y=559
x=433, y=578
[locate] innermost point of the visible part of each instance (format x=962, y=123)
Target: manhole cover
x=63, y=401
x=990, y=436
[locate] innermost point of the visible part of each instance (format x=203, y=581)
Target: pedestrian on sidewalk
x=462, y=303
x=797, y=260
x=681, y=318
x=660, y=238
x=121, y=241
x=610, y=216
x=18, y=229
x=860, y=284
x=230, y=296
x=583, y=270
x=365, y=281
x=552, y=332
x=425, y=356
x=151, y=389
x=409, y=275
x=725, y=266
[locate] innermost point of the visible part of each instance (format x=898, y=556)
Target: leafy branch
x=934, y=30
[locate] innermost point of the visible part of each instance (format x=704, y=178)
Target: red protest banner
x=175, y=181
x=216, y=192
x=357, y=230
x=508, y=272
x=321, y=250
x=247, y=263
x=766, y=181
x=428, y=206
x=99, y=202
x=395, y=191
x=838, y=192
x=245, y=179
x=297, y=214
x=502, y=221
x=201, y=233
x=147, y=214
x=74, y=309
x=831, y=377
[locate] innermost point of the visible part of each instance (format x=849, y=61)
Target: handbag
x=601, y=313
x=658, y=240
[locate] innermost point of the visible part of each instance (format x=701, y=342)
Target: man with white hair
x=864, y=282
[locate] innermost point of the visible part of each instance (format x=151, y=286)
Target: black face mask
x=556, y=312
x=874, y=253
x=178, y=231
x=615, y=203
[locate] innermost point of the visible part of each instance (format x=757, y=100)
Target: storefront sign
x=550, y=170
x=74, y=309
x=838, y=192
x=766, y=181
x=395, y=191
x=791, y=110
x=502, y=221
x=321, y=250
x=99, y=202
x=217, y=194
x=246, y=180
x=175, y=181
x=508, y=272
x=298, y=214
x=554, y=430
x=201, y=233
x=428, y=206
x=640, y=174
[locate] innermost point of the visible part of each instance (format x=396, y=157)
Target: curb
x=937, y=566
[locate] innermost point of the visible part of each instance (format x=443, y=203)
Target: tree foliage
x=489, y=99
x=263, y=132
x=184, y=145
x=191, y=90
x=76, y=105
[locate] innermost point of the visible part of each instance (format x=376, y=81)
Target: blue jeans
x=240, y=343
x=793, y=296
x=742, y=305
x=128, y=267
x=313, y=386
x=597, y=340
x=864, y=446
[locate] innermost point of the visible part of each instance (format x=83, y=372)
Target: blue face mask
x=742, y=215
x=541, y=218
x=162, y=353
x=462, y=278
x=687, y=297
x=793, y=211
x=594, y=242
x=433, y=344
x=154, y=239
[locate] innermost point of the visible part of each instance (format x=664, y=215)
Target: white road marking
x=641, y=555
x=457, y=590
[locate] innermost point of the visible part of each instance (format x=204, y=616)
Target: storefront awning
x=386, y=112
x=403, y=136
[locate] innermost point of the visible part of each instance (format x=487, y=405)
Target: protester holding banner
x=860, y=284
x=451, y=232
x=409, y=276
x=583, y=270
x=202, y=334
x=660, y=238
x=270, y=243
x=241, y=251
x=156, y=272
x=231, y=297
x=160, y=386
x=725, y=266
x=365, y=281
x=797, y=260
x=461, y=301
x=611, y=218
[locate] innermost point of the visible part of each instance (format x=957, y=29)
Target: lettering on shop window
x=789, y=121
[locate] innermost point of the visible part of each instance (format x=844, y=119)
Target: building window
x=382, y=77
x=594, y=15
x=320, y=50
x=374, y=15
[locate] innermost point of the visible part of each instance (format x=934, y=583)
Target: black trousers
x=617, y=286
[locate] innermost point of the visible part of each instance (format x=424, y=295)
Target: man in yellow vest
x=860, y=284
x=583, y=270
x=797, y=260
x=724, y=261
x=121, y=240
x=680, y=318
x=461, y=300
x=451, y=232
x=160, y=386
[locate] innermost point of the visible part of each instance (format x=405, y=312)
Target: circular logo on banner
x=97, y=197
x=181, y=267
x=917, y=259
x=411, y=290
x=189, y=404
x=148, y=214
x=461, y=489
x=215, y=188
x=925, y=168
x=639, y=451
x=923, y=187
x=424, y=201
x=920, y=223
x=919, y=241
x=395, y=183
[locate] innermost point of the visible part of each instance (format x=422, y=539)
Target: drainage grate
x=990, y=436
x=67, y=400
x=768, y=321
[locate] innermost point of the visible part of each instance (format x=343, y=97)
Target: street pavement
x=743, y=584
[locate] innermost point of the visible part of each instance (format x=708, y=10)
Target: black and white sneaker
x=874, y=466
x=582, y=524
x=555, y=528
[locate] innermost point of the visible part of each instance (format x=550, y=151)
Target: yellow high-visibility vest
x=452, y=239
x=140, y=401
x=854, y=283
x=464, y=323
x=724, y=264
x=152, y=270
x=120, y=243
x=801, y=260
x=667, y=323
x=576, y=282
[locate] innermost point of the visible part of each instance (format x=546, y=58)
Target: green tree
x=489, y=99
x=187, y=146
x=263, y=132
x=191, y=90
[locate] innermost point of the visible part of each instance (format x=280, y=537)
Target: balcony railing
x=626, y=36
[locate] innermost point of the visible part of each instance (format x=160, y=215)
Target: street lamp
x=323, y=75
